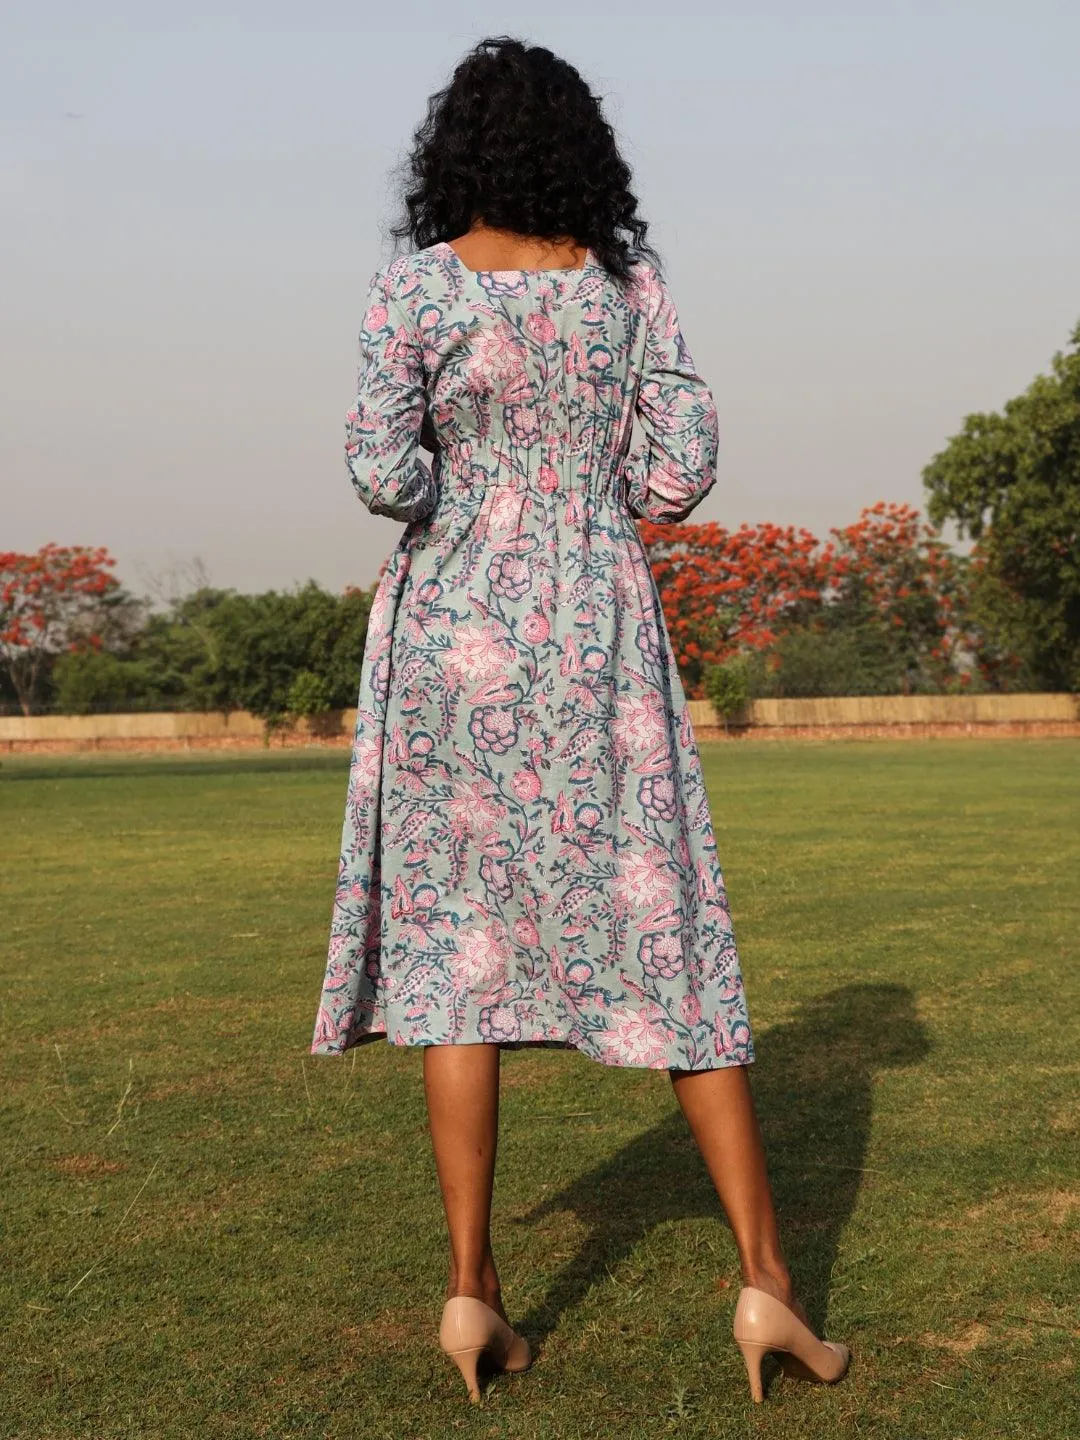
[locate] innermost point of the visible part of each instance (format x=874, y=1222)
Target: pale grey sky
x=869, y=212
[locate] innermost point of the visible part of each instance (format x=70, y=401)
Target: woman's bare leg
x=461, y=1084
x=719, y=1107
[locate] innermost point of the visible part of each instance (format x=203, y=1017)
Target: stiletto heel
x=753, y=1353
x=468, y=1362
x=470, y=1329
x=763, y=1323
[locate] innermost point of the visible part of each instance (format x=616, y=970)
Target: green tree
x=219, y=650
x=181, y=647
x=846, y=656
x=344, y=649
x=1011, y=481
x=88, y=681
x=278, y=654
x=256, y=645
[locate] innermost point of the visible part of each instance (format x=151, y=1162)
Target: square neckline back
x=536, y=270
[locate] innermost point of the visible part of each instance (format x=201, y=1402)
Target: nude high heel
x=763, y=1323
x=470, y=1329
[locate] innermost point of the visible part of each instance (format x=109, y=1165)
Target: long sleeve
x=382, y=427
x=674, y=467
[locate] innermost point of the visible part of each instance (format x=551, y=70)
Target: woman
x=528, y=857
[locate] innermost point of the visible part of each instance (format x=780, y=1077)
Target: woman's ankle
x=481, y=1284
x=773, y=1277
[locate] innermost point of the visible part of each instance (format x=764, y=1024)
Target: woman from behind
x=528, y=856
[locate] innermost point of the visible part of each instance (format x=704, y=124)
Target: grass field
x=208, y=1232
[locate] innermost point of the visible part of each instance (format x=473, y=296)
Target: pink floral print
x=527, y=853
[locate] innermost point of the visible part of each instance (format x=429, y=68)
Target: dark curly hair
x=517, y=139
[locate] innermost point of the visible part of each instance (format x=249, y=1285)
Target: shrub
x=87, y=681
x=728, y=686
x=856, y=660
x=309, y=694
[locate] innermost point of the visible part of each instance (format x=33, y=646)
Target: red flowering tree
x=894, y=568
x=50, y=602
x=888, y=582
x=726, y=591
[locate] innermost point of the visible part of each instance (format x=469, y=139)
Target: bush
x=278, y=654
x=253, y=649
x=840, y=660
x=309, y=694
x=88, y=681
x=807, y=662
x=728, y=686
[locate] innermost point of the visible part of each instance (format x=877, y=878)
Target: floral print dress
x=527, y=855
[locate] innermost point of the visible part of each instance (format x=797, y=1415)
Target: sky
x=869, y=215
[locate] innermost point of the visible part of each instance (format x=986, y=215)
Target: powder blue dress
x=527, y=855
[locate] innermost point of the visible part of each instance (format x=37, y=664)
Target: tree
x=900, y=596
x=55, y=600
x=254, y=646
x=837, y=658
x=880, y=608
x=999, y=631
x=1011, y=481
x=89, y=681
x=725, y=591
x=219, y=650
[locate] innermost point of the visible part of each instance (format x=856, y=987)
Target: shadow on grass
x=813, y=1087
x=196, y=764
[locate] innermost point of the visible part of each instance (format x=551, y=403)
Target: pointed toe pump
x=469, y=1330
x=763, y=1323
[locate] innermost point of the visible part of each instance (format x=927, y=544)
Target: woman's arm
x=675, y=467
x=382, y=427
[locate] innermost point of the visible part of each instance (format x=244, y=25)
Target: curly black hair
x=518, y=140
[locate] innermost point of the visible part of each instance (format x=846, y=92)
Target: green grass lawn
x=208, y=1232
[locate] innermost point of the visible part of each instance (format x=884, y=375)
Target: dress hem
x=723, y=1062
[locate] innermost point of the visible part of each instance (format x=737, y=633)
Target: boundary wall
x=860, y=717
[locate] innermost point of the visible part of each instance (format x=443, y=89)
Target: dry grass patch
x=228, y=1198
x=136, y=1024
x=201, y=1082
x=391, y=1328
x=86, y=1167
x=969, y=1339
x=1054, y=1205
